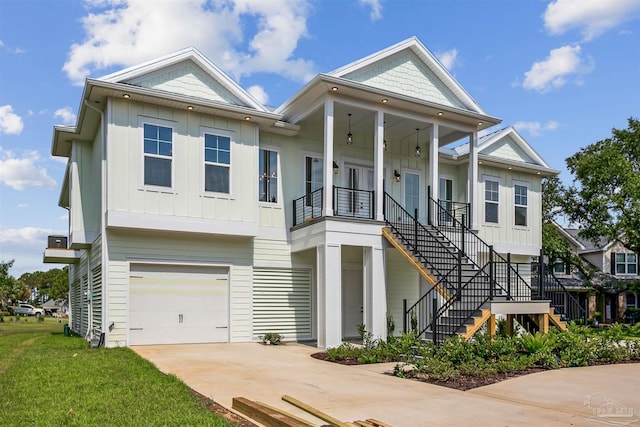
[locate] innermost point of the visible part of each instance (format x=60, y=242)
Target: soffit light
x=190, y=107
x=247, y=118
x=126, y=96
x=334, y=88
x=440, y=113
x=385, y=100
x=349, y=135
x=418, y=149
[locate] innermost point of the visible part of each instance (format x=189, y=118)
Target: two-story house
x=196, y=214
x=614, y=267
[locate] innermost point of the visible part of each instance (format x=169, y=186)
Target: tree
x=45, y=285
x=605, y=197
x=10, y=288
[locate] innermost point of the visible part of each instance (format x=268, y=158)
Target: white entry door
x=354, y=203
x=352, y=301
x=173, y=304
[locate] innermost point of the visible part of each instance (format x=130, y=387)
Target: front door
x=351, y=302
x=357, y=198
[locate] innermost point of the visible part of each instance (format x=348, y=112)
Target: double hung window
x=158, y=154
x=217, y=163
x=491, y=200
x=268, y=176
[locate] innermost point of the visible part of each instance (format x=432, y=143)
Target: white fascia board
x=568, y=236
x=169, y=223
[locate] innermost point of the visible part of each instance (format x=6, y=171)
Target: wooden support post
x=491, y=324
x=510, y=318
x=543, y=323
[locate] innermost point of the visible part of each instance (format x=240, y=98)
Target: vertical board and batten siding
x=402, y=283
x=505, y=231
x=458, y=173
x=140, y=247
x=85, y=189
x=282, y=302
x=186, y=198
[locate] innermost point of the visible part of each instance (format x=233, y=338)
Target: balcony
x=347, y=203
x=58, y=253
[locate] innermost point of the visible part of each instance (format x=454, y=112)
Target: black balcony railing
x=457, y=210
x=347, y=202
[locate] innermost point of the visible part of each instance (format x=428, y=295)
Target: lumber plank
x=361, y=423
x=295, y=417
x=333, y=422
x=263, y=414
x=378, y=423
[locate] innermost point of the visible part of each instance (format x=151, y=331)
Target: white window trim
x=513, y=194
x=486, y=178
x=626, y=264
x=279, y=202
x=218, y=132
x=142, y=120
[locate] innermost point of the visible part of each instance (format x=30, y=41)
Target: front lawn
x=49, y=379
x=484, y=359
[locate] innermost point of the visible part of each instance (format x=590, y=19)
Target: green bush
x=539, y=342
x=272, y=338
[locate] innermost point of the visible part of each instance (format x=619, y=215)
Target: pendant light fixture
x=349, y=135
x=418, y=149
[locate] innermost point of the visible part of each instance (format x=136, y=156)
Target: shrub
x=40, y=319
x=272, y=338
x=533, y=344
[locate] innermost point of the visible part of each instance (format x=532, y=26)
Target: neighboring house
x=196, y=214
x=55, y=306
x=615, y=267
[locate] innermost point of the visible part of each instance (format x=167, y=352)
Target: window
x=626, y=264
x=158, y=151
x=491, y=200
x=411, y=192
x=520, y=202
x=217, y=162
x=313, y=174
x=268, y=176
x=632, y=300
x=559, y=266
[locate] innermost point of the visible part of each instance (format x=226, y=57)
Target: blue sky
x=564, y=72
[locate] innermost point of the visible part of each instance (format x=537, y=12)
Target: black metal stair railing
x=461, y=288
x=349, y=202
x=546, y=286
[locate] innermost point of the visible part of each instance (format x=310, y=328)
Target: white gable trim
x=568, y=236
x=199, y=59
x=429, y=60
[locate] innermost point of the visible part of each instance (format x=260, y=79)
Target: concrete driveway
x=567, y=397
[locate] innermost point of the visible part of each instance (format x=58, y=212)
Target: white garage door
x=171, y=304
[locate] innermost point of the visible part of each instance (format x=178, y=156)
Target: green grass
x=48, y=379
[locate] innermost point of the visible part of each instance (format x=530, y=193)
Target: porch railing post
x=429, y=208
x=509, y=275
x=404, y=316
x=491, y=273
x=459, y=296
x=415, y=230
x=541, y=274
x=462, y=236
x=434, y=323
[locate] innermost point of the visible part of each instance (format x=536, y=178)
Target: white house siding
x=405, y=74
x=508, y=149
x=185, y=249
x=187, y=79
x=402, y=283
x=187, y=197
x=85, y=190
x=459, y=175
x=505, y=235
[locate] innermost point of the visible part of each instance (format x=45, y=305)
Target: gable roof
x=506, y=146
x=422, y=61
x=154, y=72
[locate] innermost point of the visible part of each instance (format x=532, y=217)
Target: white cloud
x=10, y=123
x=22, y=205
x=555, y=70
x=448, y=58
x=26, y=245
x=376, y=8
x=590, y=17
x=20, y=173
x=536, y=128
x=126, y=32
x=64, y=217
x=68, y=117
x=259, y=94
x=26, y=235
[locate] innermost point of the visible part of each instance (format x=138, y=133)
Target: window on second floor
x=268, y=176
x=158, y=153
x=560, y=267
x=491, y=200
x=520, y=204
x=625, y=264
x=217, y=163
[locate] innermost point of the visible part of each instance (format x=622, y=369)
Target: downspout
x=103, y=211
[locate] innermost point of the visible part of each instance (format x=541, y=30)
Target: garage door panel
x=177, y=304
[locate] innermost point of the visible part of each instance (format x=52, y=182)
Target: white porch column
x=378, y=159
x=375, y=291
x=433, y=167
x=327, y=179
x=472, y=181
x=329, y=295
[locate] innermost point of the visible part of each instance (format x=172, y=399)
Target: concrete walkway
x=567, y=397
